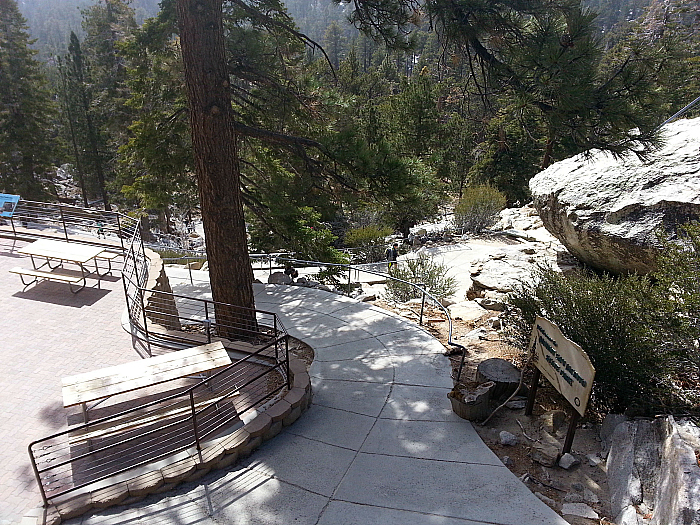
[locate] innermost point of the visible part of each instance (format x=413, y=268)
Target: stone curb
x=221, y=454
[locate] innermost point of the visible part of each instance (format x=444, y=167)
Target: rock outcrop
x=607, y=211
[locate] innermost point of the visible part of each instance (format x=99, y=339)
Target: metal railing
x=271, y=262
x=134, y=432
x=110, y=446
x=36, y=220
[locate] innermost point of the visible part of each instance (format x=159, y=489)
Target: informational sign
x=563, y=363
x=7, y=204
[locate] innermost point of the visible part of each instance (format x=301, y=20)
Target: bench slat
x=50, y=276
x=124, y=378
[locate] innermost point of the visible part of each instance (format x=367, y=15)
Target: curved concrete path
x=379, y=445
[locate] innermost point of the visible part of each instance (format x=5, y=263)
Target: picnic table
x=55, y=254
x=99, y=384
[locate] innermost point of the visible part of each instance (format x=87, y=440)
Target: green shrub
x=478, y=208
x=420, y=270
x=369, y=241
x=677, y=274
x=618, y=324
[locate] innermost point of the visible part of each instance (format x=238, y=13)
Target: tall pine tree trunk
x=217, y=163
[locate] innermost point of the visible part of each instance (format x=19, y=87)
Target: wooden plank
x=119, y=379
x=98, y=389
x=51, y=276
x=161, y=362
x=103, y=387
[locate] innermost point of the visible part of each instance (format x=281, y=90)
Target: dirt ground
x=581, y=484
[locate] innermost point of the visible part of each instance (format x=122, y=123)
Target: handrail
x=62, y=465
x=357, y=268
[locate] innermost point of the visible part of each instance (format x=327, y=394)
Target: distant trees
x=26, y=111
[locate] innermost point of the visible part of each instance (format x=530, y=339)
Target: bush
x=677, y=274
x=420, y=270
x=370, y=243
x=618, y=323
x=478, y=208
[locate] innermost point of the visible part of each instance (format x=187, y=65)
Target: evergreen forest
x=345, y=114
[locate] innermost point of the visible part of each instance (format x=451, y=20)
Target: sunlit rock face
x=607, y=211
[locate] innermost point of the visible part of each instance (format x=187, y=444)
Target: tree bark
x=217, y=165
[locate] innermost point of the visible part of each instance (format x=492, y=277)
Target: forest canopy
x=346, y=114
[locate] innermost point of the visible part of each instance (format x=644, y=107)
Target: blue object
x=7, y=204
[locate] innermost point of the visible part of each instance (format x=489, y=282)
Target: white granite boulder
x=606, y=211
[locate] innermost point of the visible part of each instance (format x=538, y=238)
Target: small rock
x=446, y=302
x=491, y=304
x=546, y=500
x=579, y=509
x=516, y=404
x=589, y=496
x=546, y=455
x=368, y=297
x=478, y=333
x=279, y=278
x=573, y=497
x=507, y=461
x=567, y=461
x=578, y=487
x=594, y=460
x=507, y=439
x=495, y=323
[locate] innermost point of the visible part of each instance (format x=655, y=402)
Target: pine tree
x=26, y=111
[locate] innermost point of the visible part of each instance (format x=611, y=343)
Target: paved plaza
x=47, y=333
x=379, y=444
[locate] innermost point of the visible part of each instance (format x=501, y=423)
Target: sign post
x=566, y=366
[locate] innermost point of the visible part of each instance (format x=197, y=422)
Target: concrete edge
x=218, y=455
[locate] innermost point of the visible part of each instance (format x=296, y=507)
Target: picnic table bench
x=60, y=252
x=100, y=384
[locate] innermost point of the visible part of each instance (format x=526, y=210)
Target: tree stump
x=504, y=374
x=472, y=400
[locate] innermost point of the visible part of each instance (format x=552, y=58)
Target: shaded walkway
x=380, y=443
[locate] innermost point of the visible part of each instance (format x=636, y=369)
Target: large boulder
x=607, y=211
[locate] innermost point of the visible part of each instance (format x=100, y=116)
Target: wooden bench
x=70, y=279
x=106, y=382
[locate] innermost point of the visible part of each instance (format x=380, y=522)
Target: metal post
x=461, y=363
x=119, y=231
x=570, y=433
x=207, y=328
x=533, y=391
x=139, y=290
x=286, y=352
x=63, y=221
x=349, y=278
x=274, y=334
x=37, y=476
x=194, y=421
x=422, y=307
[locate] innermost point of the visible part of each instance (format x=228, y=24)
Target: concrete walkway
x=380, y=443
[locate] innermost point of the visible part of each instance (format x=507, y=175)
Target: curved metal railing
x=279, y=261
